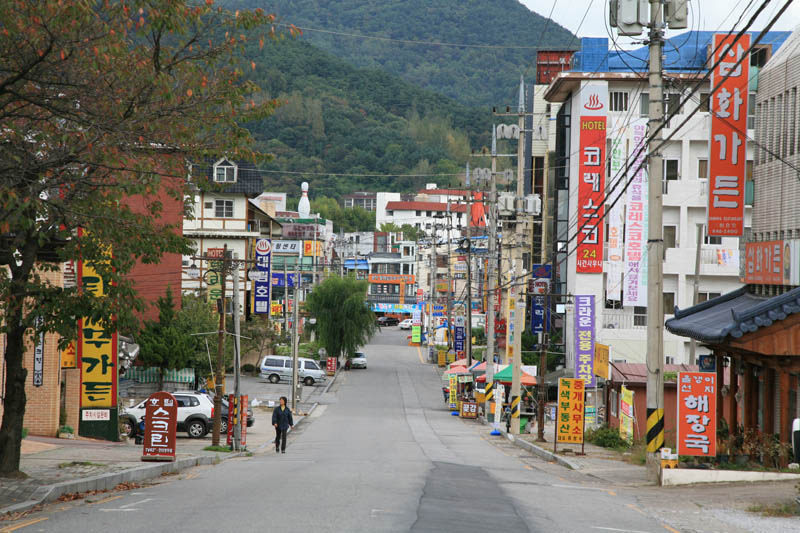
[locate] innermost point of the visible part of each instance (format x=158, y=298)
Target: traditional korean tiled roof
x=732, y=314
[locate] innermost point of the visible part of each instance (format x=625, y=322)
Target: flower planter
x=65, y=435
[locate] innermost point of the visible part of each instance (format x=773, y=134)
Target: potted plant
x=723, y=450
x=66, y=432
x=751, y=445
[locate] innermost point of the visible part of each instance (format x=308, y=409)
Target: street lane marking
x=577, y=487
x=636, y=509
x=105, y=500
x=612, y=493
x=419, y=352
x=24, y=524
x=615, y=529
x=671, y=530
x=135, y=503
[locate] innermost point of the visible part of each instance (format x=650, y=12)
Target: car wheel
x=274, y=378
x=127, y=426
x=223, y=427
x=308, y=381
x=196, y=429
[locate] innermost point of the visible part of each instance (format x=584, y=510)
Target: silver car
x=276, y=368
x=359, y=360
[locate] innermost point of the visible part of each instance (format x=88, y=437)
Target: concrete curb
x=49, y=493
x=331, y=382
x=537, y=450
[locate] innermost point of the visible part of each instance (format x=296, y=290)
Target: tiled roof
x=637, y=372
x=425, y=206
x=451, y=192
x=734, y=314
x=248, y=179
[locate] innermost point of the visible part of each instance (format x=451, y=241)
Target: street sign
x=697, y=414
x=38, y=354
x=262, y=287
x=244, y=420
x=161, y=420
x=459, y=337
x=569, y=422
x=331, y=366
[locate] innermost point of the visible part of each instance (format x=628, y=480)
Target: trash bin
x=523, y=421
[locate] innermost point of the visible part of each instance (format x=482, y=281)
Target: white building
x=684, y=213
x=431, y=217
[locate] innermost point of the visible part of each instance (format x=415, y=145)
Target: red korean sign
x=697, y=414
x=244, y=420
x=331, y=366
x=591, y=178
x=161, y=420
x=232, y=417
x=728, y=146
x=764, y=263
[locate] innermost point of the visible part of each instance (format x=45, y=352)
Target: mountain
x=473, y=76
x=339, y=119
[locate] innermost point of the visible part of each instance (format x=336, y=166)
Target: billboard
x=697, y=414
x=592, y=174
x=97, y=348
x=569, y=421
x=728, y=143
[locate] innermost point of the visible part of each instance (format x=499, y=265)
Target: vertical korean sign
x=38, y=353
x=262, y=284
x=728, y=153
x=591, y=172
x=214, y=278
x=626, y=414
x=584, y=339
x=634, y=288
x=569, y=426
x=97, y=350
x=697, y=414
x=616, y=220
x=161, y=420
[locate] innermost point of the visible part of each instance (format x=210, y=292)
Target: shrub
x=66, y=429
x=24, y=432
x=607, y=437
x=248, y=368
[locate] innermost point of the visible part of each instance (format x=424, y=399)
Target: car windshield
x=359, y=355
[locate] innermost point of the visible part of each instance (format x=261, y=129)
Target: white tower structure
x=304, y=207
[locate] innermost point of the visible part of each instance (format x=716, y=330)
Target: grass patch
x=607, y=437
x=781, y=510
x=217, y=449
x=638, y=454
x=79, y=463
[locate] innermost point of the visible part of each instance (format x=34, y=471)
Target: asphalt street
x=385, y=456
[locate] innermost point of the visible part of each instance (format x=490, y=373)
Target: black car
x=388, y=321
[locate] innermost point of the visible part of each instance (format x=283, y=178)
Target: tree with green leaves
x=412, y=233
x=164, y=343
x=102, y=106
x=344, y=321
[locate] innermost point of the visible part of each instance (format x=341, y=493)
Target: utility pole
x=492, y=283
x=234, y=417
x=285, y=296
x=544, y=340
x=219, y=380
x=298, y=283
x=696, y=288
x=450, y=328
x=434, y=272
x=519, y=227
x=469, y=276
x=655, y=248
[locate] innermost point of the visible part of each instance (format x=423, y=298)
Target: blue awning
x=360, y=264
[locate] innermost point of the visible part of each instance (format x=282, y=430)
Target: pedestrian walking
x=282, y=421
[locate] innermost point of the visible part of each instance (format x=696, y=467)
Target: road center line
x=615, y=529
x=135, y=503
x=579, y=488
x=24, y=524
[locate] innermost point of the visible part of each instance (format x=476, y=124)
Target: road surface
x=385, y=456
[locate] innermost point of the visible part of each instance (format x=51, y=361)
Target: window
x=751, y=111
x=707, y=239
x=644, y=105
x=702, y=169
x=669, y=359
x=639, y=316
x=419, y=213
x=705, y=296
x=792, y=125
x=429, y=213
x=674, y=103
x=705, y=100
x=669, y=303
x=670, y=237
x=311, y=365
x=273, y=362
x=619, y=101
x=748, y=170
x=613, y=400
x=183, y=401
x=224, y=172
x=671, y=167
x=209, y=205
x=223, y=208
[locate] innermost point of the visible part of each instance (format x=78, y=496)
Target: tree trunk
x=14, y=404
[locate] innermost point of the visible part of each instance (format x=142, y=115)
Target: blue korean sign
x=458, y=339
x=438, y=310
x=542, y=271
x=539, y=322
x=262, y=287
x=279, y=281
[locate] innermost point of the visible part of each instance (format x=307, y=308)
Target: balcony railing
x=622, y=320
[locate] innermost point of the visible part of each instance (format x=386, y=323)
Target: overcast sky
x=711, y=15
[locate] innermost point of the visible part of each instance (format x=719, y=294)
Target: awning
x=353, y=264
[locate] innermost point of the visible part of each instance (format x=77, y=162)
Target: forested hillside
x=338, y=119
x=474, y=76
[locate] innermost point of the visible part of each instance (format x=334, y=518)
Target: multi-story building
x=364, y=200
x=393, y=280
x=684, y=189
x=226, y=215
x=432, y=217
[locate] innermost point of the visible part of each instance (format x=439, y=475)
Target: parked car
x=406, y=324
x=195, y=414
x=224, y=422
x=279, y=367
x=387, y=321
x=358, y=360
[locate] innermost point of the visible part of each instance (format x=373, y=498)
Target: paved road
x=386, y=456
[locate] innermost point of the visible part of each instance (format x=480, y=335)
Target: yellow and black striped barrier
x=489, y=394
x=655, y=429
x=515, y=407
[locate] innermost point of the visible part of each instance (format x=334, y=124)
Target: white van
x=279, y=367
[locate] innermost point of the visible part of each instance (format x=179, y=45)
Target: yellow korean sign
x=69, y=356
x=276, y=308
x=97, y=348
x=570, y=410
x=601, y=360
x=310, y=250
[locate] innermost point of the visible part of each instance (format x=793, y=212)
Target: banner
x=601, y=356
x=697, y=414
x=97, y=348
x=69, y=356
x=570, y=410
x=213, y=277
x=616, y=219
x=453, y=391
x=416, y=334
x=262, y=287
x=626, y=414
x=591, y=172
x=728, y=143
x=584, y=339
x=768, y=262
x=634, y=287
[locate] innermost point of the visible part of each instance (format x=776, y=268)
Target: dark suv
x=388, y=321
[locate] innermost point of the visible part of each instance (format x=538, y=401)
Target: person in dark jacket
x=282, y=421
